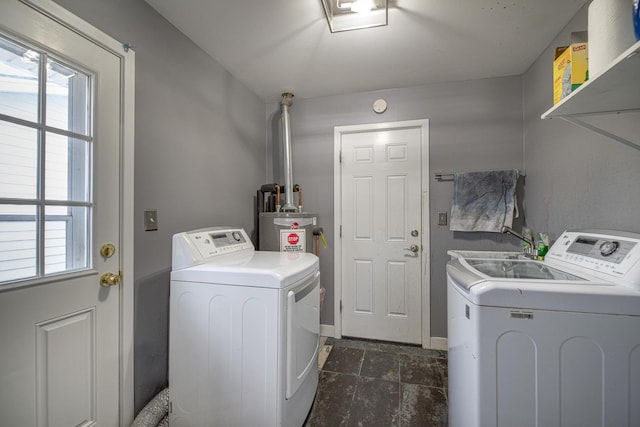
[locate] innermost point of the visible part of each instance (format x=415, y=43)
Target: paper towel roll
x=610, y=32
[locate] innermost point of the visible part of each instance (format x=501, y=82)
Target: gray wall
x=577, y=178
x=474, y=126
x=200, y=156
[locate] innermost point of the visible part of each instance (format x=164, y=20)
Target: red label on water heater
x=292, y=240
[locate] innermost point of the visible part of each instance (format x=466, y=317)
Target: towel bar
x=439, y=176
x=448, y=176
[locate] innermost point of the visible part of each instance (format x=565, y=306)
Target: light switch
x=150, y=219
x=442, y=218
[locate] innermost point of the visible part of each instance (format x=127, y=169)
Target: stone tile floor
x=372, y=383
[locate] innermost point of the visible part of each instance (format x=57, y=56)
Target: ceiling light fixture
x=355, y=14
x=362, y=6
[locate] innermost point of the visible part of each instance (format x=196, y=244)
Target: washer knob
x=607, y=248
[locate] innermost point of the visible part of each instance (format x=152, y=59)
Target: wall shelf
x=615, y=90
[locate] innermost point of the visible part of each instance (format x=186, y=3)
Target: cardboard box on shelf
x=570, y=66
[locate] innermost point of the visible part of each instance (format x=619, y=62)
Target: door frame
x=338, y=131
x=126, y=191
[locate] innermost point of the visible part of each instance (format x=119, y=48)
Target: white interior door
x=60, y=140
x=382, y=234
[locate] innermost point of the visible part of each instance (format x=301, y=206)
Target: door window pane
x=67, y=168
x=18, y=242
x=18, y=161
x=19, y=86
x=65, y=238
x=67, y=103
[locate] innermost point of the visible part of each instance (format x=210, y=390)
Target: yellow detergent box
x=570, y=67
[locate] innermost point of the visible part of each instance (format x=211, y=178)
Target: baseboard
x=327, y=330
x=439, y=343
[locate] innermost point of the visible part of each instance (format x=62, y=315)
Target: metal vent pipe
x=287, y=99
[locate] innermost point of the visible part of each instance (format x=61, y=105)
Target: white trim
x=127, y=240
x=439, y=343
x=426, y=235
x=92, y=33
x=423, y=124
x=327, y=331
x=337, y=226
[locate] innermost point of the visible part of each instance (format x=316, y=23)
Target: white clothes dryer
x=243, y=332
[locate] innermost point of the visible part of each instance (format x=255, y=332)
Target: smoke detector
x=380, y=106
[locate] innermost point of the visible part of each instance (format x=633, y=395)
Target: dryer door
x=303, y=331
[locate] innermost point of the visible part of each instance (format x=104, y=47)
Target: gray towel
x=483, y=201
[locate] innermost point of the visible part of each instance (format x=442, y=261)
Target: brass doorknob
x=109, y=279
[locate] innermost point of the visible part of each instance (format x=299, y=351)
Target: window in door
x=45, y=163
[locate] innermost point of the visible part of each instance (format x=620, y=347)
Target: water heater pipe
x=299, y=190
x=287, y=99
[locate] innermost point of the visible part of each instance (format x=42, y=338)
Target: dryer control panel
x=197, y=246
x=610, y=253
x=217, y=242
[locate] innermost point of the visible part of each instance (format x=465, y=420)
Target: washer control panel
x=613, y=253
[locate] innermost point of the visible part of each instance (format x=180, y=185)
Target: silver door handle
x=413, y=248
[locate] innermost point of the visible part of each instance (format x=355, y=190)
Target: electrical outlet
x=442, y=218
x=150, y=219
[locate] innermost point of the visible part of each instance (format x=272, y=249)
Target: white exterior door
x=61, y=137
x=382, y=234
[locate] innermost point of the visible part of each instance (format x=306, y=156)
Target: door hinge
x=340, y=231
x=340, y=157
x=170, y=407
x=340, y=306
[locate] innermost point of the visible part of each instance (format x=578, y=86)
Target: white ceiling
x=276, y=46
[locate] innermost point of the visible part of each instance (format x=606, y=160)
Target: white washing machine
x=243, y=332
x=547, y=344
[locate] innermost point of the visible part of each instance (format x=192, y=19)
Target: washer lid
x=559, y=290
x=519, y=269
x=258, y=269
